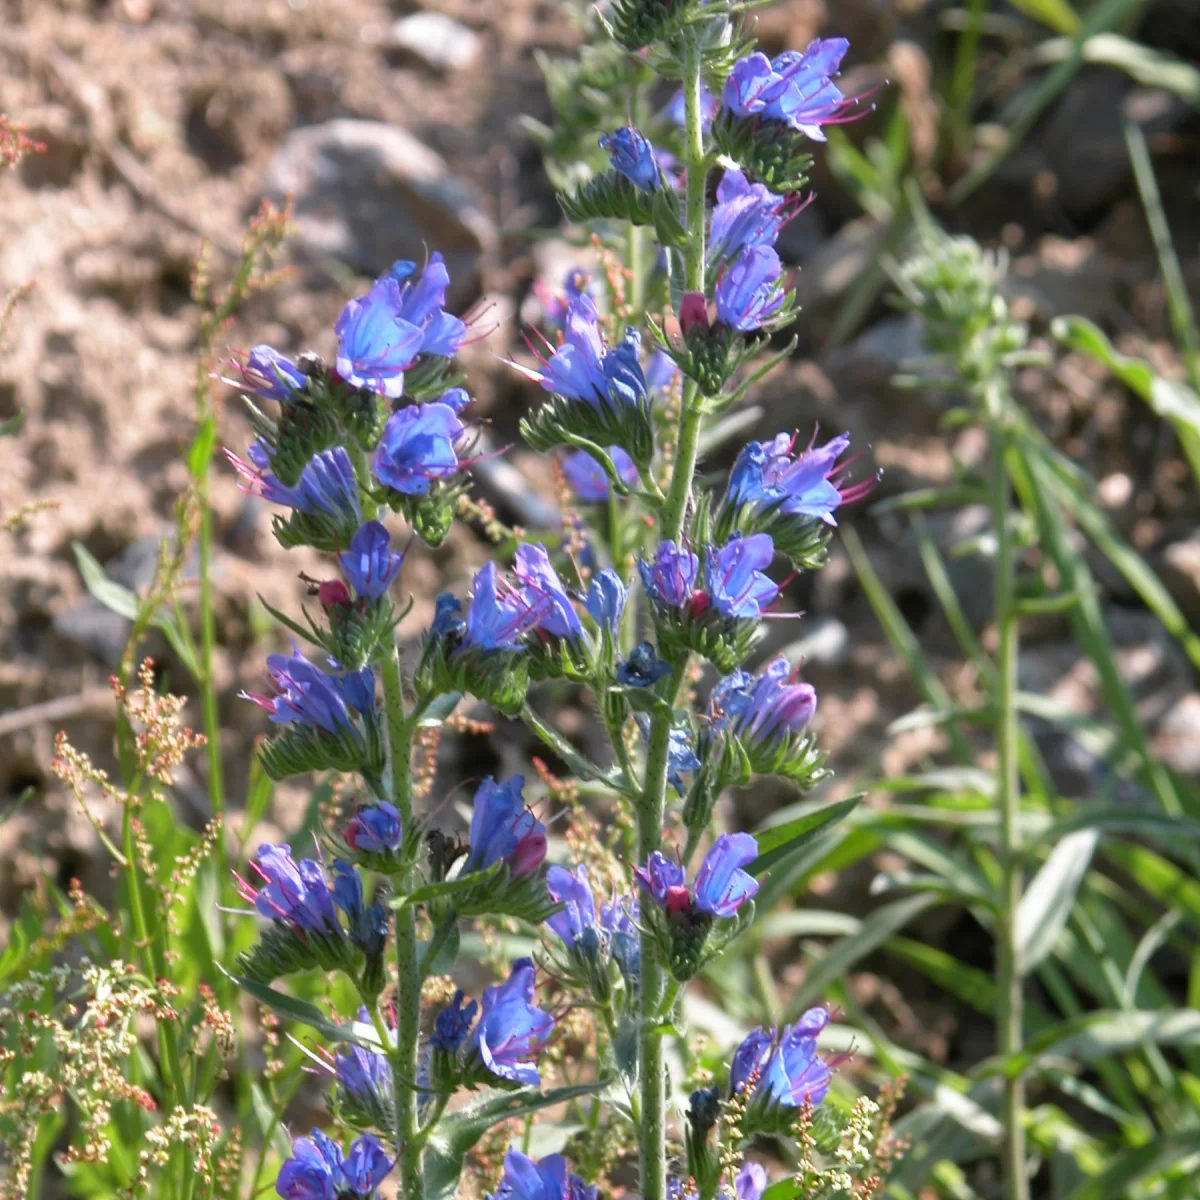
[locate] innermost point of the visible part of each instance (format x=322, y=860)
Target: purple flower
x=327, y=484
x=618, y=921
x=721, y=886
x=643, y=667
x=747, y=294
x=307, y=696
x=763, y=709
x=500, y=614
x=734, y=579
x=632, y=156
x=605, y=602
x=421, y=305
x=452, y=1024
x=318, y=1170
x=582, y=368
x=746, y=215
x=418, y=447
x=512, y=1031
x=573, y=891
x=365, y=1076
x=532, y=568
x=751, y=1182
x=368, y=924
x=370, y=564
x=376, y=345
x=375, y=829
x=669, y=579
x=549, y=1179
x=447, y=617
x=504, y=830
x=789, y=1071
x=268, y=374
x=294, y=894
x=588, y=477
x=554, y=307
x=794, y=88
x=807, y=485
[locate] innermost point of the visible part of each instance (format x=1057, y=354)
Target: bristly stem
x=408, y=1019
x=1010, y=1015
x=652, y=807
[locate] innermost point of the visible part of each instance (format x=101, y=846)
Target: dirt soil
x=166, y=121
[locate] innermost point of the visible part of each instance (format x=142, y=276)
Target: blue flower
x=721, y=886
x=310, y=697
x=632, y=156
x=503, y=829
x=452, y=1024
x=421, y=305
x=643, y=667
x=370, y=564
x=418, y=447
x=512, y=1031
x=539, y=579
x=746, y=215
x=789, y=1072
x=747, y=294
x=796, y=89
x=365, y=1076
x=588, y=477
x=581, y=368
x=766, y=708
x=669, y=579
x=448, y=620
x=269, y=375
x=375, y=829
x=318, y=1170
x=327, y=484
x=294, y=894
x=375, y=344
x=769, y=476
x=549, y=1179
x=500, y=614
x=605, y=601
x=618, y=921
x=368, y=924
x=734, y=579
x=572, y=890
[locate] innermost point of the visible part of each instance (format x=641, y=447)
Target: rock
x=436, y=40
x=1180, y=571
x=368, y=193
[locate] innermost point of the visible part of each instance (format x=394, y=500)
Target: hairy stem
x=1011, y=997
x=651, y=808
x=408, y=1023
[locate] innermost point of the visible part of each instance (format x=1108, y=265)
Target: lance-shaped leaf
x=1046, y=905
x=784, y=840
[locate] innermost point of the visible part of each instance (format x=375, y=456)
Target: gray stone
x=369, y=193
x=436, y=40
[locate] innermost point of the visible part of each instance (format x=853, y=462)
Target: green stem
x=208, y=694
x=408, y=1024
x=1011, y=993
x=652, y=805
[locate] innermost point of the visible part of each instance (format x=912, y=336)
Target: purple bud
x=632, y=156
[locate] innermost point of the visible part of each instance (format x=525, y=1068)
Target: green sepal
x=633, y=24
x=431, y=376
x=393, y=863
x=723, y=764
x=375, y=1113
x=573, y=659
x=689, y=941
x=282, y=950
x=300, y=749
x=431, y=515
x=610, y=195
x=765, y=1117
x=363, y=412
x=725, y=641
x=357, y=635
x=498, y=677
x=562, y=422
x=303, y=428
x=527, y=899
x=771, y=152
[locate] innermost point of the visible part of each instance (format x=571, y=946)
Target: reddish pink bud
x=529, y=854
x=700, y=601
x=333, y=591
x=678, y=899
x=693, y=312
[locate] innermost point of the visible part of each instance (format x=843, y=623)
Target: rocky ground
x=397, y=129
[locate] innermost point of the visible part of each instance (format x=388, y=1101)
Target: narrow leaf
x=780, y=841
x=1048, y=900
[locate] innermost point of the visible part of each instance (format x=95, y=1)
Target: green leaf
x=438, y=710
x=200, y=452
x=1046, y=905
x=357, y=1033
x=1138, y=1164
x=10, y=426
x=781, y=841
x=1149, y=67
x=269, y=1126
x=457, y=1132
x=447, y=887
x=1101, y=1035
x=1054, y=14
x=844, y=954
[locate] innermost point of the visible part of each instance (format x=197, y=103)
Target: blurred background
x=1064, y=133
